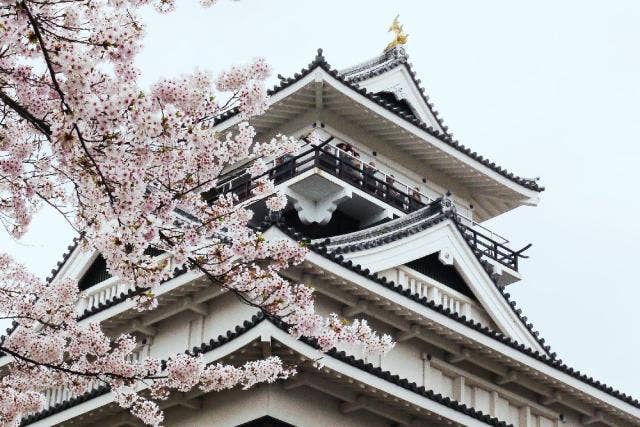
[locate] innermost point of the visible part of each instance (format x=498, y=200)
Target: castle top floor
x=379, y=110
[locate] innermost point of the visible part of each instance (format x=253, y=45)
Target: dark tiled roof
x=392, y=237
x=549, y=358
x=401, y=104
x=383, y=230
x=320, y=62
x=338, y=355
x=65, y=257
x=396, y=233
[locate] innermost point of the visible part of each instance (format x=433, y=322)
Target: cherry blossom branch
x=118, y=163
x=45, y=53
x=40, y=125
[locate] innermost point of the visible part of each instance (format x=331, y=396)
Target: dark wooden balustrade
x=364, y=177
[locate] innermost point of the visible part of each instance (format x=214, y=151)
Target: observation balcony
x=383, y=187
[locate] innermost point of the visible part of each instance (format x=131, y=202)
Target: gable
x=390, y=249
x=391, y=72
x=266, y=421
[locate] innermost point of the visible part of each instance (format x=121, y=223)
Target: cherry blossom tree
x=127, y=168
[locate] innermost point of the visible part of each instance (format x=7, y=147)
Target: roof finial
x=399, y=36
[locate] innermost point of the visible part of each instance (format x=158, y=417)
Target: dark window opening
x=151, y=251
x=401, y=104
x=340, y=223
x=95, y=274
x=431, y=266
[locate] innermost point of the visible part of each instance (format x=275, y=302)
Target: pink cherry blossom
x=277, y=203
x=120, y=162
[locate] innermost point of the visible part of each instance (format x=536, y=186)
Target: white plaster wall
x=404, y=360
x=399, y=78
x=501, y=408
x=488, y=401
x=482, y=400
x=570, y=420
x=172, y=336
x=225, y=313
x=468, y=394
x=514, y=415
x=545, y=422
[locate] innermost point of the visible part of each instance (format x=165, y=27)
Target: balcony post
x=465, y=310
x=402, y=278
x=434, y=295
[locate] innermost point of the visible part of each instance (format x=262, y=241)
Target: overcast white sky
x=543, y=88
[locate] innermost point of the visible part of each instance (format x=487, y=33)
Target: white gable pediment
x=488, y=306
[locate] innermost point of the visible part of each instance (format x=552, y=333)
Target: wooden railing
x=331, y=159
x=338, y=163
x=424, y=286
x=56, y=396
x=492, y=249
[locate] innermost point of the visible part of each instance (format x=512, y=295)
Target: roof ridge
x=357, y=73
x=380, y=230
x=392, y=58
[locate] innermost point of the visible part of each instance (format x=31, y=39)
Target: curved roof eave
x=443, y=137
x=341, y=359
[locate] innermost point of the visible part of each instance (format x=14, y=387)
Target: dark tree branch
x=39, y=124
x=45, y=53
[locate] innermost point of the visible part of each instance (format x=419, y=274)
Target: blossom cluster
x=51, y=349
x=123, y=164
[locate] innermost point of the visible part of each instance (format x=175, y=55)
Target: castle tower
x=393, y=207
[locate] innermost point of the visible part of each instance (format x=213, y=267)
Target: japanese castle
x=393, y=208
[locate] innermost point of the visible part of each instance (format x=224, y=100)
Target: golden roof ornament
x=399, y=36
